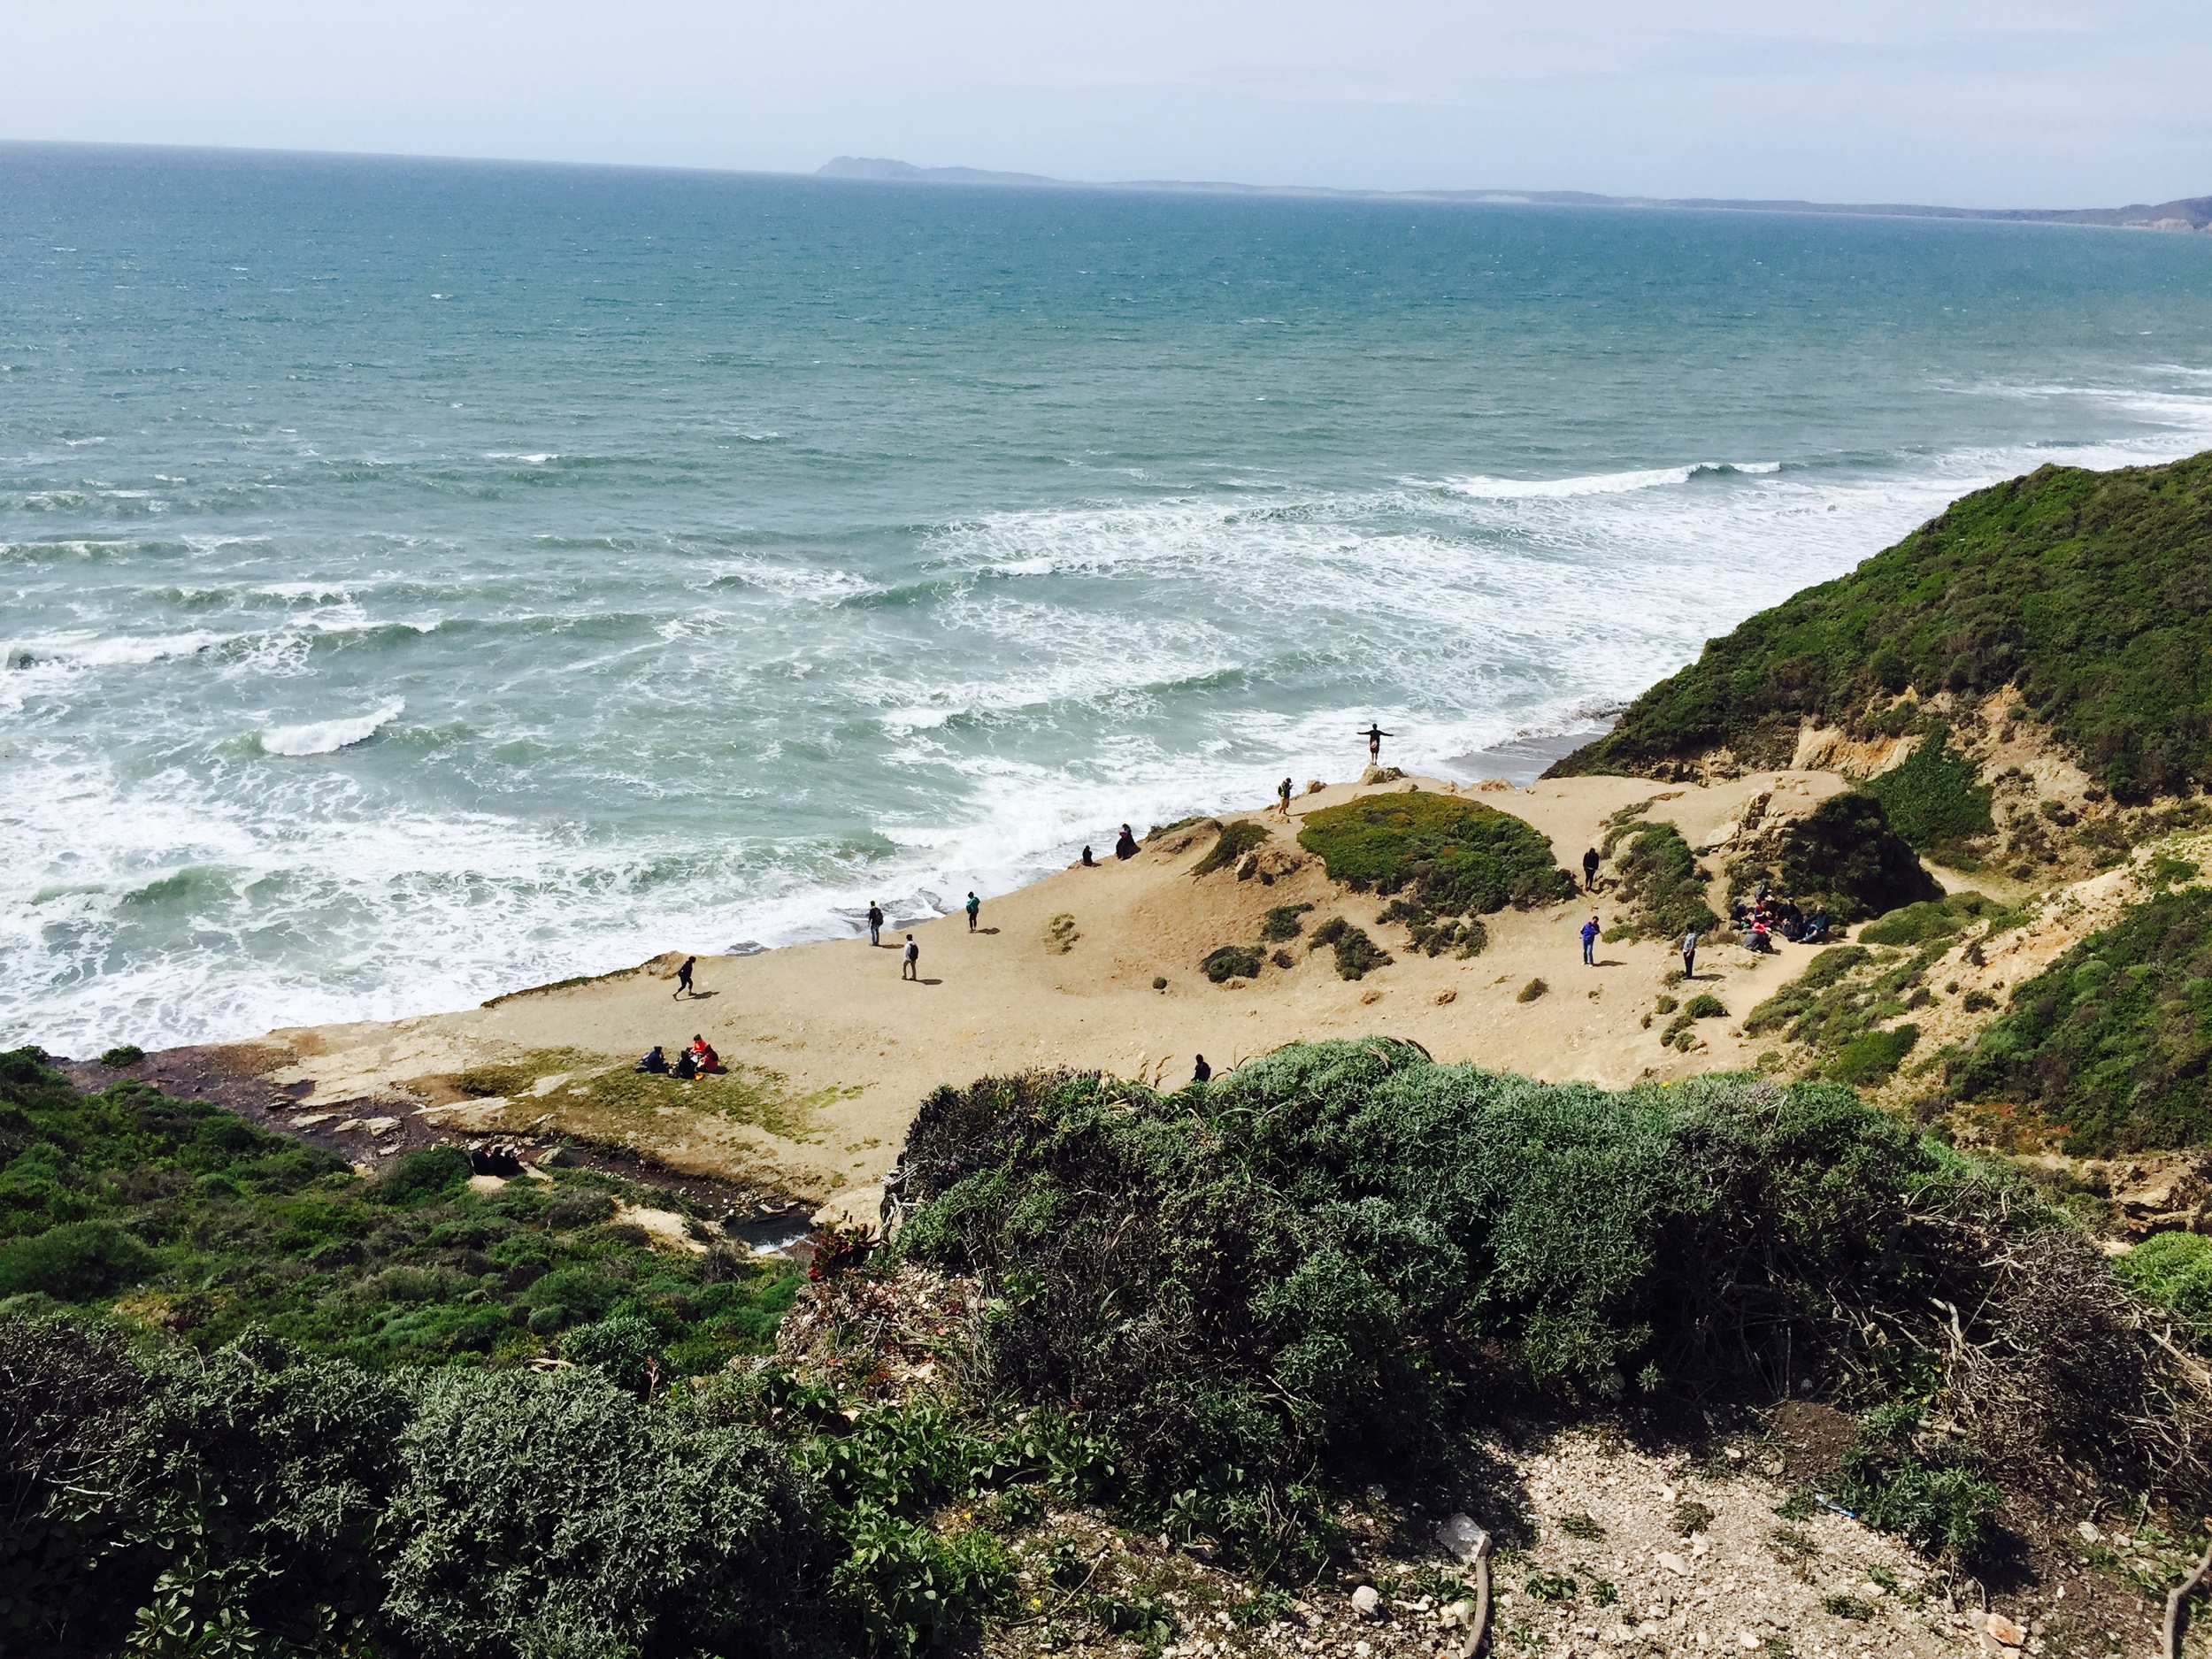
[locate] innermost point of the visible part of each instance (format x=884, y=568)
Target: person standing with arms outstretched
x=1374, y=734
x=975, y=909
x=875, y=923
x=1282, y=799
x=1590, y=941
x=683, y=979
x=910, y=970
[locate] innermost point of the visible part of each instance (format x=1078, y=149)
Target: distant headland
x=2191, y=213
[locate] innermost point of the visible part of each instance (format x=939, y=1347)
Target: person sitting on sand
x=1758, y=941
x=1202, y=1072
x=1089, y=863
x=686, y=1068
x=683, y=979
x=1590, y=941
x=1127, y=845
x=1590, y=870
x=709, y=1062
x=910, y=970
x=655, y=1061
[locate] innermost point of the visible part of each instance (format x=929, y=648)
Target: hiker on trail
x=1089, y=863
x=683, y=979
x=1689, y=955
x=1374, y=734
x=975, y=909
x=875, y=923
x=1590, y=941
x=1202, y=1072
x=913, y=956
x=1127, y=845
x=1282, y=797
x=1590, y=870
x=655, y=1061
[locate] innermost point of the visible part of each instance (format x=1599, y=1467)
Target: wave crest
x=324, y=737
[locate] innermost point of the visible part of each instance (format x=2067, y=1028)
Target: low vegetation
x=1661, y=883
x=1935, y=800
x=1842, y=857
x=1356, y=955
x=1452, y=857
x=1945, y=920
x=1340, y=1258
x=2114, y=1040
x=1839, y=1007
x=1245, y=835
x=2084, y=595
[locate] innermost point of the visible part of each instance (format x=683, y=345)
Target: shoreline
x=831, y=1051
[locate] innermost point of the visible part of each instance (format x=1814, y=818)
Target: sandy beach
x=833, y=1050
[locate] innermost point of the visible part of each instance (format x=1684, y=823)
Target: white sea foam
x=324, y=737
x=1599, y=483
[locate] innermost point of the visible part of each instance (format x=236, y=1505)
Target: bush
x=1842, y=857
x=1800, y=994
x=555, y=1514
x=1933, y=1505
x=1233, y=962
x=1935, y=799
x=1944, y=918
x=2085, y=590
x=1344, y=1249
x=2173, y=1269
x=2113, y=1039
x=122, y=1055
x=83, y=1261
x=1705, y=1005
x=416, y=1178
x=1867, y=1060
x=1659, y=877
x=1530, y=992
x=1244, y=836
x=1456, y=857
x=1282, y=923
x=1356, y=955
x=625, y=1350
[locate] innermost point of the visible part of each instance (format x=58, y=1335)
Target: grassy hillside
x=2114, y=1040
x=2086, y=597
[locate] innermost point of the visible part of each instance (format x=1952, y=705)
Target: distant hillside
x=2193, y=213
x=2088, y=596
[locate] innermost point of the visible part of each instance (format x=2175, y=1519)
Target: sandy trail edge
x=836, y=1018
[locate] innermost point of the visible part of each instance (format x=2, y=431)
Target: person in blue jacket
x=1590, y=942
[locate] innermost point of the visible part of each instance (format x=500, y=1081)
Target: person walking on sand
x=1374, y=734
x=1590, y=870
x=875, y=923
x=1689, y=955
x=1590, y=941
x=1202, y=1072
x=975, y=909
x=909, y=971
x=1282, y=799
x=683, y=979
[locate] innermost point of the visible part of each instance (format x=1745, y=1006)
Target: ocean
x=425, y=578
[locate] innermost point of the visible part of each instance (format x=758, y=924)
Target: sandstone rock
x=1367, y=1601
x=2005, y=1631
x=1673, y=1562
x=1459, y=1614
x=1314, y=786
x=2091, y=1533
x=1380, y=774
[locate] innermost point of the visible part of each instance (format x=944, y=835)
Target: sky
x=1963, y=102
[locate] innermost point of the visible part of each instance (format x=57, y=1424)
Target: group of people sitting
x=1766, y=917
x=699, y=1060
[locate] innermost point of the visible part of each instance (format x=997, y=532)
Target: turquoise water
x=425, y=578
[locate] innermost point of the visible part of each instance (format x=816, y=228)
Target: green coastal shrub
x=1944, y=918
x=2084, y=592
x=1456, y=857
x=1935, y=799
x=1356, y=955
x=1282, y=923
x=2114, y=1038
x=1800, y=995
x=1842, y=857
x=1244, y=836
x=1939, y=1505
x=1343, y=1250
x=2173, y=1269
x=1659, y=878
x=1868, y=1059
x=1233, y=962
x=80, y=1262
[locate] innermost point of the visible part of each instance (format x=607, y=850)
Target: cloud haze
x=2042, y=102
